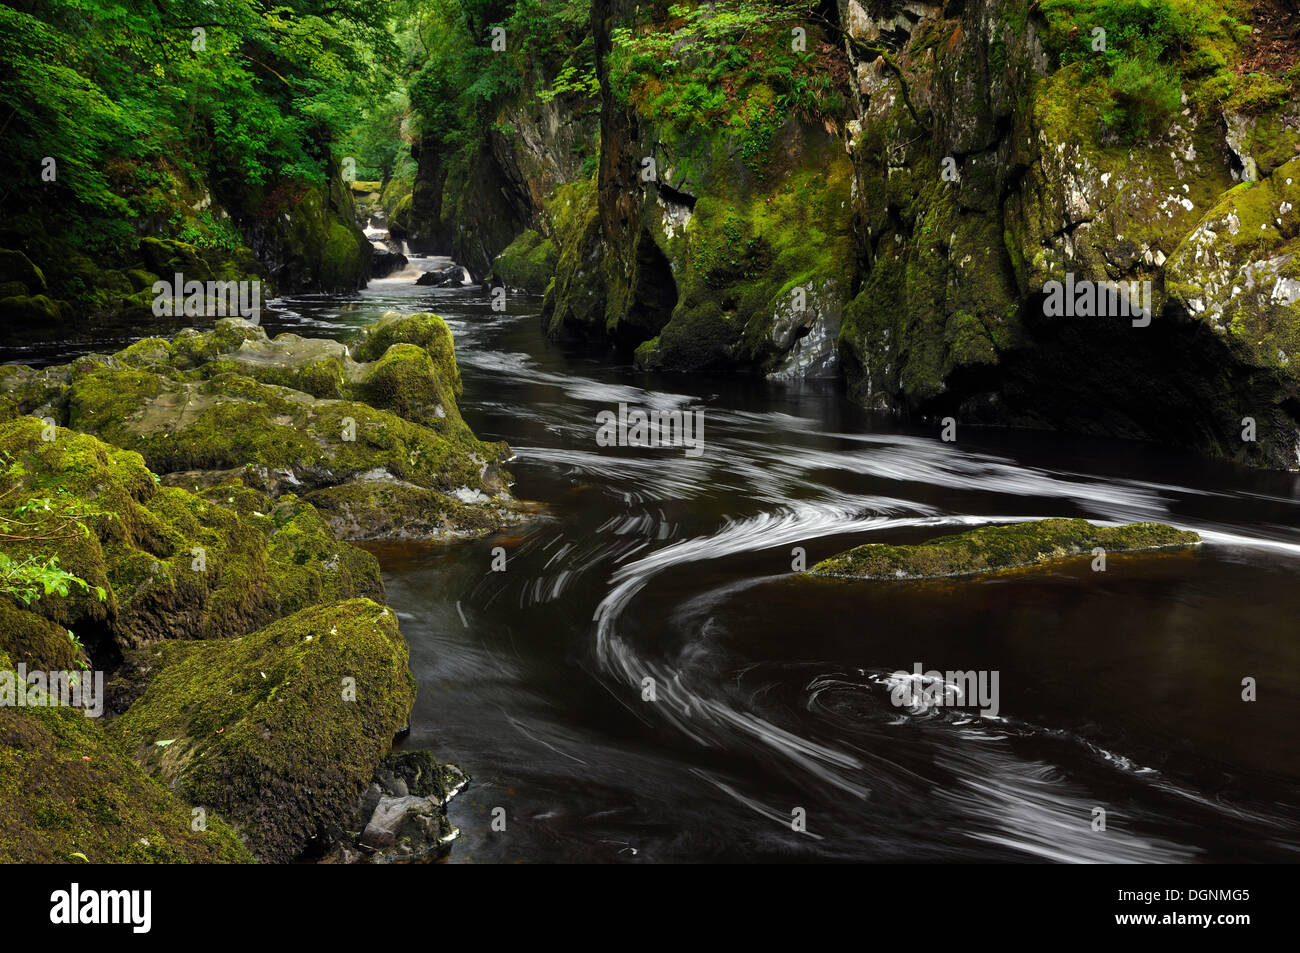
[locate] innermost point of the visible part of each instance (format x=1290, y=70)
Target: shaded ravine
x=1119, y=690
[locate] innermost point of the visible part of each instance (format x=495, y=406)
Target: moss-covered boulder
x=171, y=564
x=527, y=263
x=280, y=730
x=71, y=795
x=18, y=268
x=993, y=548
x=35, y=641
x=378, y=506
x=306, y=235
x=292, y=415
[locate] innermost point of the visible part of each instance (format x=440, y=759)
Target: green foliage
x=139, y=113
x=729, y=64
x=40, y=519
x=458, y=80
x=1144, y=96
x=1156, y=50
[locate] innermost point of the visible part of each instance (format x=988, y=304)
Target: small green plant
x=1145, y=95
x=37, y=519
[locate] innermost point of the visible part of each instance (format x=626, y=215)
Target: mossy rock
x=172, y=564
x=230, y=420
x=315, y=366
x=166, y=257
x=289, y=415
x=993, y=548
x=71, y=795
x=527, y=263
x=1239, y=271
x=35, y=641
x=407, y=381
x=282, y=729
x=36, y=391
x=391, y=509
x=30, y=309
x=17, y=267
x=424, y=330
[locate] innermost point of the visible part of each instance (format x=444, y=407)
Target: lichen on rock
x=994, y=548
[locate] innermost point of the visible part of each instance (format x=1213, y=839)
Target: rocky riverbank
x=886, y=198
x=200, y=492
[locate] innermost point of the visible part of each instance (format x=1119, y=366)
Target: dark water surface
x=1119, y=690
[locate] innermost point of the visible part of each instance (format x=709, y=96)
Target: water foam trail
x=690, y=707
x=1024, y=806
x=1021, y=805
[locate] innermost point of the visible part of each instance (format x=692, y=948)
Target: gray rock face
x=403, y=814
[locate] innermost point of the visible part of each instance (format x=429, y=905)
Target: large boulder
x=362, y=425
x=161, y=562
x=280, y=730
x=72, y=795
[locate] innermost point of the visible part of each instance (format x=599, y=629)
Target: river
x=1120, y=691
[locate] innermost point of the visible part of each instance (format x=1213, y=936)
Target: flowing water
x=1118, y=690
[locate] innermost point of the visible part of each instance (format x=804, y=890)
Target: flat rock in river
x=993, y=548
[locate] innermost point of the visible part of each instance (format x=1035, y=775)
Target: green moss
x=424, y=330
x=30, y=309
x=17, y=267
x=280, y=730
x=576, y=298
x=166, y=257
x=175, y=565
x=35, y=641
x=992, y=548
x=1225, y=273
x=205, y=407
x=749, y=240
x=386, y=509
x=341, y=257
x=70, y=790
x=527, y=263
x=408, y=381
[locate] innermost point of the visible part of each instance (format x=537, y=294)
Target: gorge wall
x=887, y=200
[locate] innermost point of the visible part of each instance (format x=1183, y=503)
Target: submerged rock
x=992, y=548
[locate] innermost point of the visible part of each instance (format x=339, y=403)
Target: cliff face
x=722, y=234
x=893, y=201
x=950, y=318
x=471, y=202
